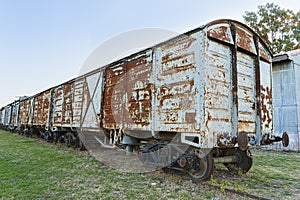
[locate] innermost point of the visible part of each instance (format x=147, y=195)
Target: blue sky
x=45, y=42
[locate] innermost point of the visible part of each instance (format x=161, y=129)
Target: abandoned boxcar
x=200, y=98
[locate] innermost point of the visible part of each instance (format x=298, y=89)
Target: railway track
x=221, y=189
x=240, y=193
x=166, y=172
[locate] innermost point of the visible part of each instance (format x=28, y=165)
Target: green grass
x=32, y=169
x=274, y=174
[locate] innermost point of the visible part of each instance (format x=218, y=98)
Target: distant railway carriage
x=8, y=116
x=15, y=114
x=200, y=98
x=2, y=113
x=286, y=86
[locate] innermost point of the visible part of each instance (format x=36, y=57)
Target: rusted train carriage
x=57, y=113
x=209, y=89
x=41, y=110
x=9, y=115
x=45, y=114
x=26, y=116
x=200, y=98
x=61, y=116
x=34, y=114
x=76, y=106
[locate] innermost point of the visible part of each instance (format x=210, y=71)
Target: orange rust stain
x=220, y=33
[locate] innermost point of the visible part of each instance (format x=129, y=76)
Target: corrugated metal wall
x=286, y=80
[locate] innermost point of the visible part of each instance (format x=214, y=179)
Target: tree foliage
x=280, y=28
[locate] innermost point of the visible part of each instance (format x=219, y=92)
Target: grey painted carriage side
x=286, y=84
x=2, y=114
x=7, y=116
x=87, y=100
x=15, y=114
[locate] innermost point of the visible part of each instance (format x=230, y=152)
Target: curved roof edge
x=231, y=21
x=289, y=55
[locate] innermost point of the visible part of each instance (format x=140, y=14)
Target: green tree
x=280, y=28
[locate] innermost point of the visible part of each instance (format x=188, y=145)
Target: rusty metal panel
x=113, y=94
x=138, y=92
x=24, y=112
x=58, y=106
x=46, y=106
x=21, y=112
x=264, y=53
x=128, y=93
x=63, y=105
x=67, y=108
x=246, y=93
x=174, y=77
x=38, y=109
x=41, y=109
x=220, y=32
x=78, y=99
x=244, y=86
x=218, y=86
x=266, y=98
x=244, y=40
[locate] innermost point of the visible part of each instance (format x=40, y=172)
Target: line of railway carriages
x=204, y=96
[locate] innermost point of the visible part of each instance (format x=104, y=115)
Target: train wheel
x=29, y=133
x=54, y=137
x=50, y=137
x=201, y=166
x=244, y=162
x=78, y=143
x=20, y=131
x=47, y=136
x=70, y=140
